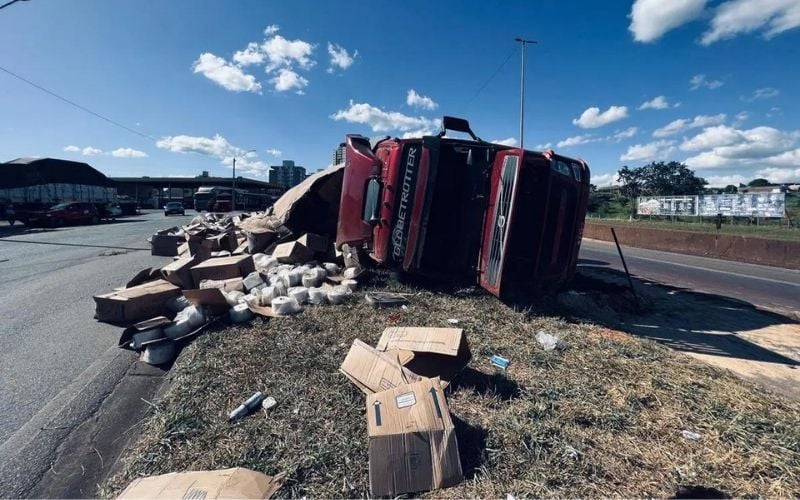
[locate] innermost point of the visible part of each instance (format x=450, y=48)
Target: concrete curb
x=28, y=453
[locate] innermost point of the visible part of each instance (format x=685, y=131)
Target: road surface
x=48, y=336
x=770, y=288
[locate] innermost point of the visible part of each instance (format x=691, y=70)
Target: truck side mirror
x=372, y=195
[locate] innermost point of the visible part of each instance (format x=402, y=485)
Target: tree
x=758, y=183
x=730, y=189
x=660, y=179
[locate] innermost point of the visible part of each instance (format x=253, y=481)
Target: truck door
x=360, y=201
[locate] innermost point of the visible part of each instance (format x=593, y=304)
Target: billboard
x=667, y=205
x=743, y=205
x=729, y=205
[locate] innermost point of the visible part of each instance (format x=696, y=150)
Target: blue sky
x=203, y=81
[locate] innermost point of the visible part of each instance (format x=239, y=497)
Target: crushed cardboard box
x=165, y=243
x=317, y=243
x=222, y=268
x=179, y=272
x=223, y=242
x=237, y=482
x=134, y=304
x=412, y=440
x=292, y=252
x=313, y=205
x=428, y=352
x=374, y=371
x=211, y=298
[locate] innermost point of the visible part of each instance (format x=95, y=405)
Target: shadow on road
x=724, y=331
x=20, y=229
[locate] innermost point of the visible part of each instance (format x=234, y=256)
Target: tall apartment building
x=287, y=174
x=338, y=154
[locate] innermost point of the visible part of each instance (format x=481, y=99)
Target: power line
x=11, y=2
x=513, y=51
x=75, y=104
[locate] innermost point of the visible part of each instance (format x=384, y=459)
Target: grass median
x=604, y=417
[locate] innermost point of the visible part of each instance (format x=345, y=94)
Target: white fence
x=762, y=205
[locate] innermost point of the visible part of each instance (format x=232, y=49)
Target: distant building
x=614, y=189
x=338, y=155
x=287, y=175
x=772, y=188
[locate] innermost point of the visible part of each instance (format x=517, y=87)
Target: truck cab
x=465, y=209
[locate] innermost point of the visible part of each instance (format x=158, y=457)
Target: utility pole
x=233, y=180
x=524, y=42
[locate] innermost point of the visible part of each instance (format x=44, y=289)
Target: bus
x=218, y=199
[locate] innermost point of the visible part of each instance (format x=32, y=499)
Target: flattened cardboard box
x=136, y=303
x=374, y=371
x=209, y=485
x=428, y=352
x=223, y=268
x=179, y=272
x=412, y=440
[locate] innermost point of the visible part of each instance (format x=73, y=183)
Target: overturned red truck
x=508, y=219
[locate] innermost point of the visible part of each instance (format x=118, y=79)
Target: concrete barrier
x=778, y=253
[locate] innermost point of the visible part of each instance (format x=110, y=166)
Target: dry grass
x=602, y=418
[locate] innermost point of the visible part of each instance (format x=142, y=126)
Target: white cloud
x=699, y=81
x=281, y=52
x=780, y=175
x=271, y=29
x=510, y=141
x=214, y=146
x=72, y=149
x=712, y=137
x=90, y=151
x=128, y=153
x=221, y=72
x=414, y=99
x=275, y=152
x=732, y=148
x=340, y=57
x=620, y=135
x=430, y=130
x=593, y=118
x=657, y=150
x=650, y=19
x=250, y=55
x=603, y=180
x=577, y=140
x=383, y=121
x=542, y=147
x=659, y=102
x=743, y=116
x=288, y=80
x=682, y=124
x=735, y=17
x=762, y=93
x=726, y=180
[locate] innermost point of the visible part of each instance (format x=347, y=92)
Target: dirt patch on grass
x=602, y=418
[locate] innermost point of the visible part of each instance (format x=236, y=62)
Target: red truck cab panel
x=361, y=166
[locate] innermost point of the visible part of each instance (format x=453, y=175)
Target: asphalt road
x=48, y=336
x=771, y=288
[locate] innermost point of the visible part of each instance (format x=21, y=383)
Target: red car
x=509, y=219
x=63, y=214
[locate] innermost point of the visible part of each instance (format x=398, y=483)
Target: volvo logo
x=501, y=221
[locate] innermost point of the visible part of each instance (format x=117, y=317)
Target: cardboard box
x=229, y=285
x=412, y=440
x=209, y=485
x=179, y=272
x=199, y=246
x=225, y=241
x=316, y=243
x=212, y=298
x=428, y=352
x=164, y=244
x=292, y=252
x=223, y=268
x=134, y=304
x=374, y=371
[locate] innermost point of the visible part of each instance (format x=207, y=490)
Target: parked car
x=63, y=214
x=174, y=207
x=109, y=211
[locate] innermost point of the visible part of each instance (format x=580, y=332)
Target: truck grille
x=501, y=220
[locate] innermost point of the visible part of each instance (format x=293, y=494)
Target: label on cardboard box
x=406, y=400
